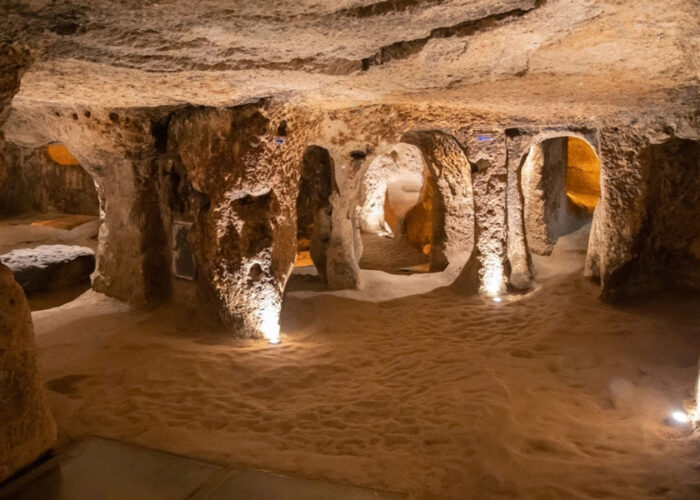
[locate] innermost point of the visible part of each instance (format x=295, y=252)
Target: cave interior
x=390, y=249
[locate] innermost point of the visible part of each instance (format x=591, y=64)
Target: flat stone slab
x=260, y=485
x=112, y=470
x=48, y=267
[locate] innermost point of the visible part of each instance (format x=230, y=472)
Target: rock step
x=48, y=267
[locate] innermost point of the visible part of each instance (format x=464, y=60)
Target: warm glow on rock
x=419, y=220
x=269, y=323
x=60, y=154
x=67, y=222
x=303, y=259
x=493, y=277
x=582, y=175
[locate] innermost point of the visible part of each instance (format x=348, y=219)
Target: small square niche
x=183, y=258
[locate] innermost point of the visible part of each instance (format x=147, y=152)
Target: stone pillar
x=620, y=209
x=485, y=269
x=27, y=429
x=239, y=181
x=345, y=245
x=517, y=145
x=118, y=151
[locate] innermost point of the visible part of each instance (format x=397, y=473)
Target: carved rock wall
x=650, y=239
x=31, y=181
x=237, y=182
x=234, y=174
x=118, y=150
x=453, y=209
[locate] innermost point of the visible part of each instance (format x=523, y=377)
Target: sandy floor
x=556, y=395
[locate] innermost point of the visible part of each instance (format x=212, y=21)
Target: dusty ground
x=555, y=395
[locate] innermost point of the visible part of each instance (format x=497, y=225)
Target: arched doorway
x=396, y=212
x=313, y=214
x=560, y=180
x=49, y=218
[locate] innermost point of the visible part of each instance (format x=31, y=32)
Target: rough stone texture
x=485, y=271
x=31, y=181
x=402, y=159
x=48, y=267
x=352, y=77
x=649, y=237
x=580, y=58
x=238, y=185
x=453, y=209
x=27, y=428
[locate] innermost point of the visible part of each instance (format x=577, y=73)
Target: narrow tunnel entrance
x=313, y=213
x=49, y=222
x=396, y=214
x=561, y=189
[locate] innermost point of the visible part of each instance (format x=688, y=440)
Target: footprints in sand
x=67, y=385
x=522, y=353
x=425, y=394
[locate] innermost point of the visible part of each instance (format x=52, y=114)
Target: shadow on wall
x=314, y=210
x=666, y=249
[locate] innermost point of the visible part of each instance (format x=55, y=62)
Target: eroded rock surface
x=201, y=114
x=239, y=186
x=27, y=428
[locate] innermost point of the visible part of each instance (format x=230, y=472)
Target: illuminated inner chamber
x=561, y=188
x=582, y=175
x=396, y=215
x=60, y=154
x=418, y=222
x=313, y=208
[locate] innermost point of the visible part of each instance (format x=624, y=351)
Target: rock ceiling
x=559, y=57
